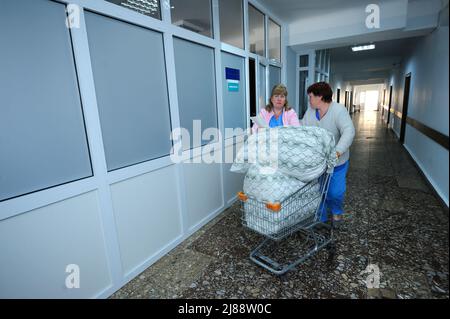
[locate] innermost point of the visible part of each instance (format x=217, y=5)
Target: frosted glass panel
x=318, y=57
x=194, y=15
x=274, y=41
x=42, y=134
x=234, y=111
x=256, y=31
x=327, y=60
x=304, y=60
x=231, y=22
x=130, y=82
x=262, y=86
x=274, y=77
x=195, y=71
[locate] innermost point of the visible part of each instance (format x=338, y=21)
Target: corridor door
x=389, y=106
x=405, y=107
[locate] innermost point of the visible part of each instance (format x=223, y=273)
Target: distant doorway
x=371, y=101
x=362, y=99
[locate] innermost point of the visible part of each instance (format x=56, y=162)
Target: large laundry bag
x=303, y=152
x=282, y=164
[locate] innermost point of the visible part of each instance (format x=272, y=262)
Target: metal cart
x=298, y=215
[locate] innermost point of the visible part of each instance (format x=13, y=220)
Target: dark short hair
x=322, y=89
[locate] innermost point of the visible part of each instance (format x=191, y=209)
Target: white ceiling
x=390, y=48
x=371, y=66
x=291, y=10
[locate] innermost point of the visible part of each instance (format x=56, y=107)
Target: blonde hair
x=278, y=89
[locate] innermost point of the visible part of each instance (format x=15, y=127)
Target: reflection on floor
x=392, y=221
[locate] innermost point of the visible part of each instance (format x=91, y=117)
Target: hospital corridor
x=224, y=149
x=392, y=219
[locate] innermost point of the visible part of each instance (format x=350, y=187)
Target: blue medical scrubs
x=336, y=190
x=276, y=122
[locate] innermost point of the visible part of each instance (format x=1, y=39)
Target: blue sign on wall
x=232, y=74
x=233, y=77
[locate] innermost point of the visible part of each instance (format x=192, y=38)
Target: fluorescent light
x=363, y=47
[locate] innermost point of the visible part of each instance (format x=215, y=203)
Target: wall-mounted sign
x=233, y=85
x=233, y=78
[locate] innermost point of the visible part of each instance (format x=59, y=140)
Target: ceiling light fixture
x=363, y=47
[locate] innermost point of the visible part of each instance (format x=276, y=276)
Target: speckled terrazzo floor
x=393, y=221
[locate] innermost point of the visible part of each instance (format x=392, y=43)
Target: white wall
x=232, y=182
x=397, y=89
x=36, y=247
x=428, y=64
x=146, y=211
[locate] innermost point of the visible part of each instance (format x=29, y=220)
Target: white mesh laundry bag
x=278, y=162
x=303, y=152
x=269, y=185
x=268, y=222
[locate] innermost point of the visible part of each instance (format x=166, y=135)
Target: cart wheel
x=331, y=248
x=284, y=277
